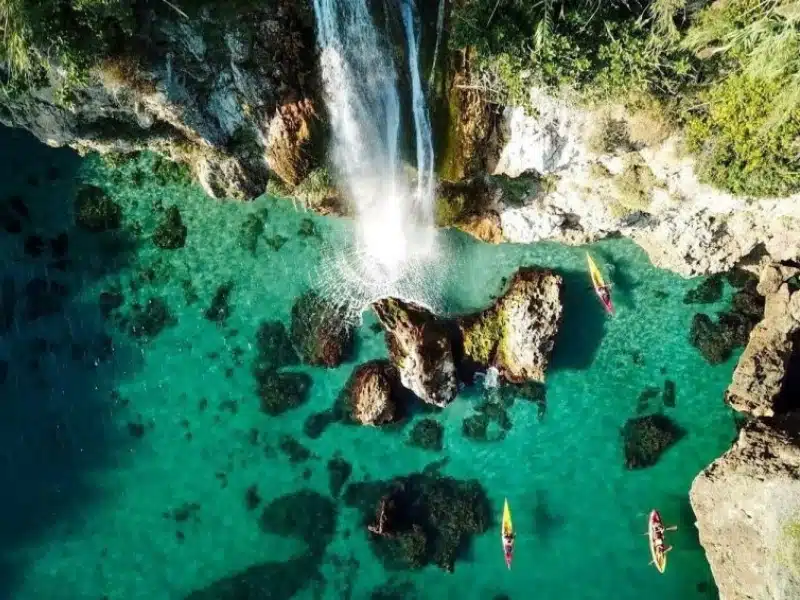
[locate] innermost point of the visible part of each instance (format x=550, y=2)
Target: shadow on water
x=59, y=361
x=545, y=522
x=582, y=324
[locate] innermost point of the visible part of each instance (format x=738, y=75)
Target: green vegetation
x=738, y=148
x=635, y=184
x=788, y=553
x=726, y=72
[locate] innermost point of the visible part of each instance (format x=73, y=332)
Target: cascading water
x=394, y=249
x=422, y=123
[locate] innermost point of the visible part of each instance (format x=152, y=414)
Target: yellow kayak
x=657, y=551
x=507, y=530
x=600, y=287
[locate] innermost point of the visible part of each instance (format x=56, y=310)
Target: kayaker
x=605, y=294
x=508, y=542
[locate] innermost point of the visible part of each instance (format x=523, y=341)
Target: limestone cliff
x=218, y=86
x=747, y=502
x=612, y=172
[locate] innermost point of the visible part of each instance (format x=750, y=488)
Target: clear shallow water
x=95, y=447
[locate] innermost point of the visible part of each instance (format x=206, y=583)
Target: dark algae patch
x=708, y=292
x=427, y=434
x=280, y=392
x=320, y=331
x=147, y=321
x=220, y=309
x=293, y=449
x=95, y=211
x=428, y=519
x=306, y=516
x=170, y=233
x=646, y=438
x=339, y=471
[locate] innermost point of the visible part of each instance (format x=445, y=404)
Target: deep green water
x=98, y=448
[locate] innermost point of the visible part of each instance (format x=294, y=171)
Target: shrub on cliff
x=738, y=147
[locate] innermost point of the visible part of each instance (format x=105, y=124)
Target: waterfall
x=439, y=29
x=422, y=123
x=394, y=245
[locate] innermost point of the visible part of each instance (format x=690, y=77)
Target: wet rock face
x=320, y=332
x=294, y=141
x=517, y=334
x=428, y=518
x=95, y=211
x=747, y=505
x=421, y=348
x=372, y=395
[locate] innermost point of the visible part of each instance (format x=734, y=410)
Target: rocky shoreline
x=747, y=502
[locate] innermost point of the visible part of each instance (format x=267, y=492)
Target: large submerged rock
x=421, y=347
x=517, y=334
x=748, y=513
x=762, y=370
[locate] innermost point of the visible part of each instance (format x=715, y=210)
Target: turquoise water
x=125, y=472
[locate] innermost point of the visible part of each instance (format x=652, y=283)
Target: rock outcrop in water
x=373, y=394
x=421, y=347
x=748, y=501
x=517, y=334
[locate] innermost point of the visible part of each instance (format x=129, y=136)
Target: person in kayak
x=508, y=542
x=605, y=294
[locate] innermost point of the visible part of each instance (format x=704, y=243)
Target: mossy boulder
x=646, y=438
x=427, y=434
x=320, y=331
x=95, y=211
x=421, y=348
x=170, y=233
x=373, y=394
x=429, y=518
x=517, y=334
x=281, y=392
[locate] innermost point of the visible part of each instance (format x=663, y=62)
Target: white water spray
x=395, y=248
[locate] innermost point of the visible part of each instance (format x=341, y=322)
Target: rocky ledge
x=747, y=502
